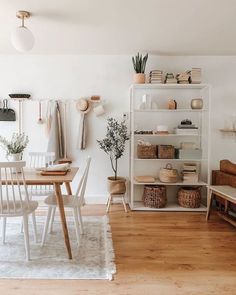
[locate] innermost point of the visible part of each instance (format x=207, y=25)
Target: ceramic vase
x=14, y=158
x=197, y=103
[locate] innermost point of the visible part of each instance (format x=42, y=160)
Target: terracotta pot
x=139, y=78
x=116, y=186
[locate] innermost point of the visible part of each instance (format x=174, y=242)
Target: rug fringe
x=109, y=250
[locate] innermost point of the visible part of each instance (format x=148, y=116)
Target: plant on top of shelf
x=139, y=63
x=114, y=145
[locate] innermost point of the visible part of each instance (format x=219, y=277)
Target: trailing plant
x=16, y=145
x=114, y=142
x=139, y=63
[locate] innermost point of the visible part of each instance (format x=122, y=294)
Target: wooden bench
x=226, y=192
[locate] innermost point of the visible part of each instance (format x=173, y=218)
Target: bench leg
x=209, y=201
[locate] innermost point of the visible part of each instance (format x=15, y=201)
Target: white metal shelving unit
x=148, y=119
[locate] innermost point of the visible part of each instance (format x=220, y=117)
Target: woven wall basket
x=154, y=196
x=189, y=197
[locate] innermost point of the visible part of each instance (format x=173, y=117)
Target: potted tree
x=114, y=145
x=14, y=147
x=139, y=63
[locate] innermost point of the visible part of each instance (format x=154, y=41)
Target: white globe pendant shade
x=22, y=39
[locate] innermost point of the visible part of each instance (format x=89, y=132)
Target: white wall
x=72, y=76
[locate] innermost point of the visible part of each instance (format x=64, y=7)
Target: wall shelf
x=228, y=130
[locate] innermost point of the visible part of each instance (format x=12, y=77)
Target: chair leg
x=45, y=230
x=21, y=226
x=34, y=227
x=26, y=236
x=109, y=203
x=4, y=223
x=52, y=220
x=80, y=220
x=77, y=229
x=123, y=201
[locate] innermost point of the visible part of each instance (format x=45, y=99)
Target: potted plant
x=114, y=145
x=139, y=63
x=14, y=147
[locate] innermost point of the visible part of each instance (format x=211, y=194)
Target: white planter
x=13, y=158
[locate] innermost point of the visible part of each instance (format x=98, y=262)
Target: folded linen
x=57, y=167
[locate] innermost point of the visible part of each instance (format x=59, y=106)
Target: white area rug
x=93, y=259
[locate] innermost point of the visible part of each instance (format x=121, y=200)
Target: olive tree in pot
x=114, y=145
x=139, y=63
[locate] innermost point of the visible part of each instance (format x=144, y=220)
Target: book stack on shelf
x=183, y=78
x=190, y=173
x=170, y=79
x=195, y=75
x=186, y=127
x=155, y=77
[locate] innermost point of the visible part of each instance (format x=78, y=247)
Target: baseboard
x=89, y=199
x=96, y=199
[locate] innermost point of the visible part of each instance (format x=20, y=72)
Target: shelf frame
x=204, y=90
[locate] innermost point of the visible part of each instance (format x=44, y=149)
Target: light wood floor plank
x=156, y=253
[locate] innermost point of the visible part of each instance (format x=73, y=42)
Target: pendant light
x=22, y=38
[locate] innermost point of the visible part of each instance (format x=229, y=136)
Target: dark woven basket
x=189, y=197
x=154, y=196
x=146, y=151
x=166, y=151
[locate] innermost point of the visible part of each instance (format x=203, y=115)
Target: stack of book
x=190, y=172
x=155, y=77
x=187, y=129
x=195, y=75
x=183, y=78
x=170, y=79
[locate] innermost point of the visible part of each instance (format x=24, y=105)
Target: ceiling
x=165, y=27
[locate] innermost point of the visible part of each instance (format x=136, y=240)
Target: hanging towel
x=49, y=117
x=81, y=142
x=56, y=139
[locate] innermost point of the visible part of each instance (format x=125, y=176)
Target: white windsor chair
x=74, y=202
x=12, y=191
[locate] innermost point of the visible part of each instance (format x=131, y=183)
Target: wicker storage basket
x=189, y=197
x=154, y=196
x=168, y=174
x=146, y=151
x=166, y=151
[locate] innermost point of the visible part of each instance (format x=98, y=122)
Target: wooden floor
x=156, y=253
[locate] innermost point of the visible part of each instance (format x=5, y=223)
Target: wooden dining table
x=33, y=177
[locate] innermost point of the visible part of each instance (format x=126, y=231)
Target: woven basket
x=154, y=196
x=146, y=151
x=189, y=197
x=166, y=151
x=168, y=174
